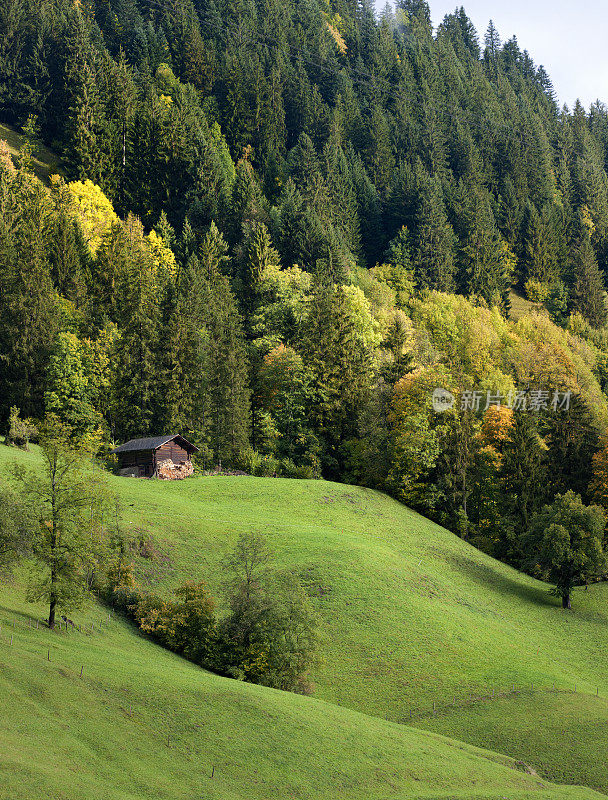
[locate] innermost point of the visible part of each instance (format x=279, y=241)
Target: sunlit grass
x=412, y=615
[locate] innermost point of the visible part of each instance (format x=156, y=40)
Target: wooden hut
x=156, y=456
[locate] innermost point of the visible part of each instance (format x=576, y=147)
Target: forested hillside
x=283, y=225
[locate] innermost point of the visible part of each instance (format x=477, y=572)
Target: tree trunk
x=566, y=601
x=52, y=612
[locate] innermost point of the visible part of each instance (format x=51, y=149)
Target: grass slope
x=142, y=723
x=569, y=745
x=520, y=307
x=413, y=615
x=44, y=163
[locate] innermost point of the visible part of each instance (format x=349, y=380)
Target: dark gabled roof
x=153, y=443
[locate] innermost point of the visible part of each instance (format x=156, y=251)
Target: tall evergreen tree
x=589, y=293
x=135, y=382
x=485, y=260
x=29, y=309
x=523, y=479
x=227, y=369
x=340, y=363
x=435, y=259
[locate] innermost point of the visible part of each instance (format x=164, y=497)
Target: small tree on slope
x=564, y=544
x=63, y=498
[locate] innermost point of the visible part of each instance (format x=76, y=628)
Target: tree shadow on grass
x=509, y=584
x=513, y=583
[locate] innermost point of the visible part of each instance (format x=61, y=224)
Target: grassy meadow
x=412, y=615
x=562, y=734
x=143, y=723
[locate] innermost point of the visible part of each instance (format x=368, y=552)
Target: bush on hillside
x=257, y=464
x=270, y=635
x=185, y=626
x=536, y=291
x=288, y=469
x=20, y=431
x=17, y=524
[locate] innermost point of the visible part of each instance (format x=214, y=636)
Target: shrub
x=288, y=469
x=261, y=466
x=249, y=461
x=537, y=291
x=21, y=431
x=190, y=627
x=271, y=634
x=17, y=521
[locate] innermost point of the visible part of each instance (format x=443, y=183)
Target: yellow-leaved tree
x=94, y=211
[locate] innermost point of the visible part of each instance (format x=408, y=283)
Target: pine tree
x=485, y=260
x=68, y=255
x=86, y=129
x=369, y=209
x=135, y=379
x=572, y=441
x=417, y=15
x=540, y=259
x=247, y=201
x=228, y=390
x=589, y=293
x=510, y=214
x=259, y=256
x=523, y=479
x=340, y=364
x=493, y=44
x=29, y=309
x=342, y=209
x=435, y=260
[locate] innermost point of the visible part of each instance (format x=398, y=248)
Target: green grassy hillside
x=412, y=614
x=520, y=307
x=568, y=744
x=143, y=723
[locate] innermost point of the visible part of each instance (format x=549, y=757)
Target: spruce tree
x=485, y=261
x=185, y=346
x=572, y=438
x=228, y=390
x=29, y=308
x=435, y=258
x=340, y=365
x=136, y=401
x=523, y=479
x=589, y=293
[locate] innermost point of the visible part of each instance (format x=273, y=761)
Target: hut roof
x=153, y=443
